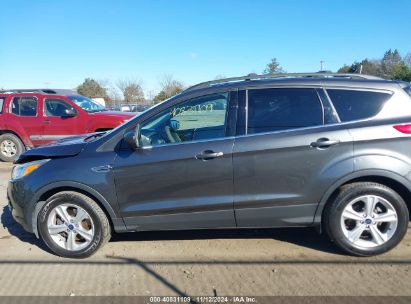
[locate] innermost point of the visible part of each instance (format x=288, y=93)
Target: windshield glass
x=87, y=104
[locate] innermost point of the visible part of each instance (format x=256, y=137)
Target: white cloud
x=193, y=55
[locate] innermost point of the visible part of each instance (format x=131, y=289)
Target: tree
x=407, y=60
x=132, y=91
x=273, y=67
x=390, y=66
x=169, y=87
x=344, y=69
x=92, y=89
x=389, y=63
x=401, y=72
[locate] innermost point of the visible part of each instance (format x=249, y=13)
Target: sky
x=57, y=44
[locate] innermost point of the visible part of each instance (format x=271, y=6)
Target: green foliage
x=390, y=66
x=401, y=72
x=91, y=88
x=273, y=67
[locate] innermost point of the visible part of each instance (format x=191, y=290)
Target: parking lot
x=263, y=262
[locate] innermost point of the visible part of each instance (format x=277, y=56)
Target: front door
x=290, y=154
x=182, y=177
x=55, y=122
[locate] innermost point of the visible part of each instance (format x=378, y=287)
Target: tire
x=10, y=147
x=389, y=215
x=60, y=213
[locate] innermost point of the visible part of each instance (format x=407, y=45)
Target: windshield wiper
x=94, y=136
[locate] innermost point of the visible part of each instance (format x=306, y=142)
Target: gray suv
x=297, y=150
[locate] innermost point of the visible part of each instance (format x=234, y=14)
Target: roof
x=64, y=92
x=318, y=79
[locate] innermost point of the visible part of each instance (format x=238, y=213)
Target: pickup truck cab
x=31, y=118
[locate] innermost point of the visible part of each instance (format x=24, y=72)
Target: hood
x=116, y=114
x=69, y=146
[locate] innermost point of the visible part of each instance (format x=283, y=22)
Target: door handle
x=47, y=122
x=208, y=154
x=324, y=143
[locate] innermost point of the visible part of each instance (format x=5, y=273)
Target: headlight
x=25, y=169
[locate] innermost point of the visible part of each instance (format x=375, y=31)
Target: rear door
x=25, y=111
x=290, y=149
x=56, y=125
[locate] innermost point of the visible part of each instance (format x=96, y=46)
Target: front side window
x=56, y=107
x=200, y=118
x=281, y=109
x=354, y=104
x=24, y=106
x=1, y=104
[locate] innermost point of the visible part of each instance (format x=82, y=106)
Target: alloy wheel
x=70, y=226
x=369, y=221
x=8, y=148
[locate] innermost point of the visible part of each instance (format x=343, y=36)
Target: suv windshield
x=87, y=104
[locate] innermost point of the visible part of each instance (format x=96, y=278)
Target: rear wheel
x=366, y=219
x=10, y=147
x=73, y=225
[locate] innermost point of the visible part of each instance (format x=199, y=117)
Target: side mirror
x=132, y=138
x=69, y=113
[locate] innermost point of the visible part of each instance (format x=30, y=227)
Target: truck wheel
x=366, y=219
x=10, y=147
x=73, y=225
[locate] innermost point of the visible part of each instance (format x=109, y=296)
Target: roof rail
x=41, y=91
x=254, y=76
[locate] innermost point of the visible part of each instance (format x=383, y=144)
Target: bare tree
x=407, y=60
x=168, y=88
x=132, y=91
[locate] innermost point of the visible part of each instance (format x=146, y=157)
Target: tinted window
x=24, y=106
x=282, y=109
x=1, y=104
x=354, y=105
x=56, y=107
x=408, y=90
x=195, y=119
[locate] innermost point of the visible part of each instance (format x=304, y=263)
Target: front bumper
x=19, y=206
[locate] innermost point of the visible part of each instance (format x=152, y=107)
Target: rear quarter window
x=355, y=105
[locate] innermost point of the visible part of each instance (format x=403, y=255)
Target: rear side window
x=282, y=109
x=355, y=105
x=1, y=104
x=24, y=106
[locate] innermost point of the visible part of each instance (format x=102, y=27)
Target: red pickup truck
x=30, y=118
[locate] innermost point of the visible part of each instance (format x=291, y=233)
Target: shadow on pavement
x=306, y=237
x=16, y=230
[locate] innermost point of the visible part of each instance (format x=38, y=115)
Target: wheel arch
x=390, y=179
x=26, y=144
x=117, y=224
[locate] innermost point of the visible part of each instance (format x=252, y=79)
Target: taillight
x=406, y=128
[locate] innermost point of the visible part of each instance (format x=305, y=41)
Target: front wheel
x=366, y=219
x=73, y=225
